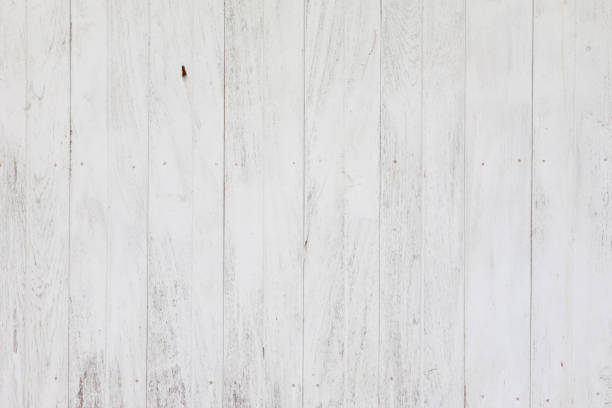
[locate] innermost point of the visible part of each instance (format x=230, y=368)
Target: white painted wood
x=47, y=202
x=89, y=199
x=421, y=326
x=498, y=191
x=443, y=203
x=244, y=348
x=171, y=206
x=342, y=136
x=401, y=215
x=304, y=204
x=283, y=189
x=571, y=355
x=206, y=74
x=12, y=202
x=127, y=181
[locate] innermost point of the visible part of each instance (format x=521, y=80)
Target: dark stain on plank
x=183, y=71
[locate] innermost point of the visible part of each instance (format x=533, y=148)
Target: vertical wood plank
x=498, y=213
x=572, y=357
x=88, y=205
x=126, y=297
x=170, y=261
x=443, y=76
x=244, y=351
x=47, y=202
x=283, y=176
x=12, y=201
x=324, y=276
x=207, y=78
x=401, y=216
x=341, y=276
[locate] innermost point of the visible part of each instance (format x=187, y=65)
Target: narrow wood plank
x=170, y=261
x=207, y=75
x=12, y=201
x=283, y=189
x=571, y=357
x=244, y=351
x=126, y=297
x=498, y=191
x=401, y=215
x=443, y=203
x=88, y=205
x=47, y=202
x=341, y=276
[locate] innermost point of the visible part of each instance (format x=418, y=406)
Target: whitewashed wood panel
x=342, y=136
x=127, y=172
x=47, y=164
x=206, y=74
x=498, y=202
x=283, y=204
x=571, y=355
x=443, y=107
x=171, y=205
x=401, y=215
x=244, y=274
x=89, y=221
x=305, y=204
x=12, y=202
x=422, y=282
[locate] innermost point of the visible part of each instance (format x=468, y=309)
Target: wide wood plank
x=89, y=218
x=341, y=271
x=498, y=201
x=283, y=191
x=244, y=348
x=13, y=164
x=443, y=107
x=206, y=75
x=171, y=206
x=127, y=182
x=571, y=356
x=401, y=213
x=47, y=202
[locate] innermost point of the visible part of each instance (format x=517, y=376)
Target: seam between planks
x=148, y=195
x=465, y=38
x=531, y=351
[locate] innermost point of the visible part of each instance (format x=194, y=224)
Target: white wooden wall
x=305, y=203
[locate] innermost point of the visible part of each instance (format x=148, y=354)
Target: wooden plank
x=170, y=261
x=498, y=201
x=47, y=202
x=283, y=189
x=244, y=351
x=341, y=273
x=443, y=203
x=126, y=297
x=401, y=216
x=12, y=202
x=207, y=75
x=571, y=356
x=88, y=205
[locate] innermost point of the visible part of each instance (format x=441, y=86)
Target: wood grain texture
x=127, y=110
x=13, y=192
x=401, y=212
x=47, y=202
x=206, y=74
x=498, y=213
x=171, y=206
x=89, y=218
x=283, y=189
x=305, y=204
x=244, y=274
x=341, y=294
x=571, y=355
